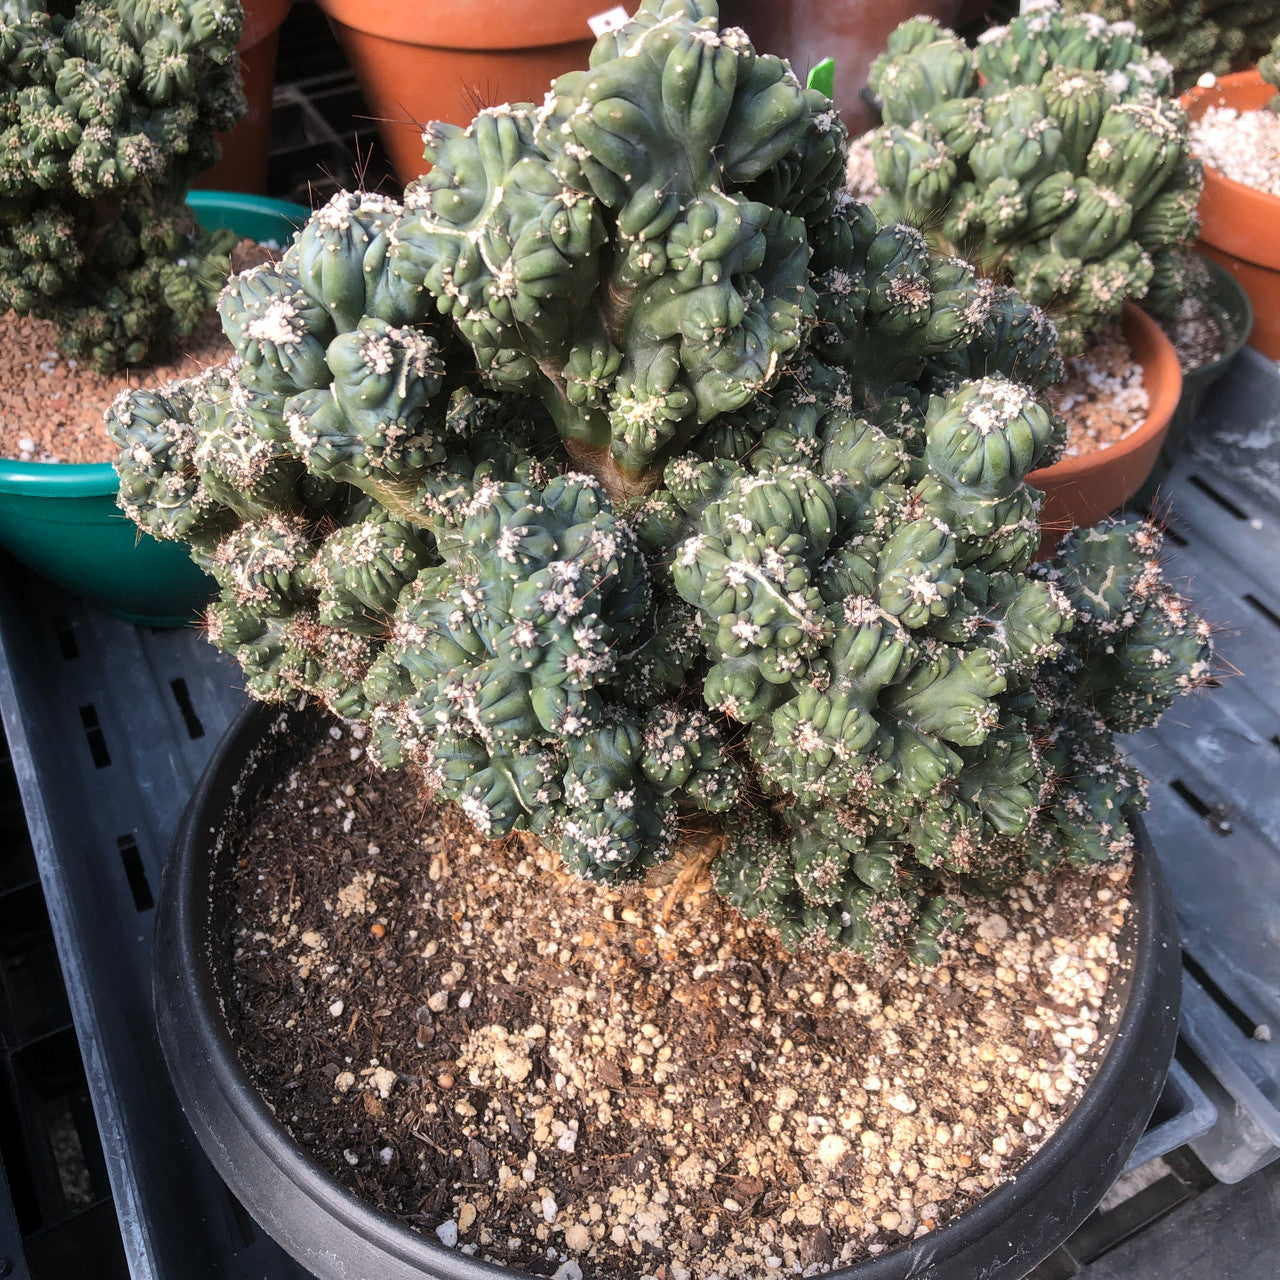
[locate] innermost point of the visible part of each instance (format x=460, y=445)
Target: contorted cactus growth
x=1196, y=36
x=108, y=110
x=1052, y=156
x=632, y=483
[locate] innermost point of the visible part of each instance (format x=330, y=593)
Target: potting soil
x=51, y=407
x=591, y=1082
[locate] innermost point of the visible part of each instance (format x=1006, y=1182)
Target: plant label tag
x=609, y=20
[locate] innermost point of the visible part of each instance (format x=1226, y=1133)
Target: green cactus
x=1051, y=156
x=108, y=110
x=1196, y=36
x=630, y=488
x=1269, y=70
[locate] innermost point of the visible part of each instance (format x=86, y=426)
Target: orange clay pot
x=444, y=60
x=1083, y=489
x=1239, y=226
x=243, y=166
x=853, y=32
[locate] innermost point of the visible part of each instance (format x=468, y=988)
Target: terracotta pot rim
x=1240, y=190
x=262, y=19
x=1162, y=378
x=1195, y=102
x=500, y=24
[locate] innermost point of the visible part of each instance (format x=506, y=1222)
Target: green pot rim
x=99, y=479
x=1227, y=298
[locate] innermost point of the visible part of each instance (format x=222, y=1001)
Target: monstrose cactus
x=1052, y=156
x=637, y=487
x=108, y=110
x=1196, y=36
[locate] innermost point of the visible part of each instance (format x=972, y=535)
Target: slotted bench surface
x=109, y=726
x=1215, y=809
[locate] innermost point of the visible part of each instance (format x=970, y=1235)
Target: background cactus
x=108, y=110
x=1052, y=156
x=647, y=493
x=1269, y=70
x=1196, y=36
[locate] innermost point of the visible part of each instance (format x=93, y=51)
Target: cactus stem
x=621, y=486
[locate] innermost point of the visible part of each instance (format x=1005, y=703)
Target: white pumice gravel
x=860, y=170
x=1101, y=396
x=1241, y=145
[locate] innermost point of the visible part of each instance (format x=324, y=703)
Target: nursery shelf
x=109, y=726
x=1215, y=811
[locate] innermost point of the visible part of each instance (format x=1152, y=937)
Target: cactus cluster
x=635, y=485
x=1052, y=156
x=1196, y=36
x=108, y=110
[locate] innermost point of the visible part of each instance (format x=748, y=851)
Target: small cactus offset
x=1269, y=70
x=635, y=485
x=1052, y=156
x=1196, y=36
x=108, y=110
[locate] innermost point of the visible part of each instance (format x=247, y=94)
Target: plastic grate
x=1215, y=809
x=109, y=727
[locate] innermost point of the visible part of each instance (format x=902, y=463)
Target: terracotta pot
x=439, y=61
x=243, y=166
x=1083, y=489
x=1239, y=226
x=853, y=32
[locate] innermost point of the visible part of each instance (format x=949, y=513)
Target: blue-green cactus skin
x=1269, y=70
x=794, y=604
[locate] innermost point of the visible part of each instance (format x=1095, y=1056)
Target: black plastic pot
x=339, y=1237
x=1233, y=313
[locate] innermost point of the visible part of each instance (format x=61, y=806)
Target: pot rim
x=262, y=18
x=1196, y=100
x=1205, y=374
x=1163, y=393
x=478, y=25
x=99, y=479
x=1144, y=1032
x=1235, y=218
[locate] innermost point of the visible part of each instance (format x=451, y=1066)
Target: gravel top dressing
x=1101, y=395
x=51, y=408
x=1241, y=145
x=1196, y=334
x=587, y=1082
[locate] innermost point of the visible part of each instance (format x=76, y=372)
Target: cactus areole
x=108, y=110
x=635, y=486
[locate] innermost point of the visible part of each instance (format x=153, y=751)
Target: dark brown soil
x=1196, y=334
x=625, y=1084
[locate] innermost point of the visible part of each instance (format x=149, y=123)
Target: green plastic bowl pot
x=62, y=519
